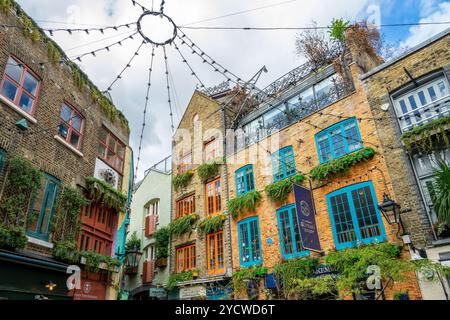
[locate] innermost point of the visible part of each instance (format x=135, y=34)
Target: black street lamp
x=390, y=210
x=132, y=258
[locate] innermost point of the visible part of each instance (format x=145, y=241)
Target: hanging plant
x=279, y=191
x=183, y=225
x=53, y=52
x=105, y=194
x=211, y=224
x=162, y=236
x=182, y=180
x=244, y=203
x=66, y=251
x=341, y=165
x=208, y=170
x=12, y=238
x=421, y=137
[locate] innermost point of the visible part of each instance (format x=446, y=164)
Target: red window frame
x=185, y=258
x=213, y=198
x=216, y=240
x=212, y=150
x=185, y=206
x=185, y=163
x=19, y=86
x=74, y=112
x=116, y=156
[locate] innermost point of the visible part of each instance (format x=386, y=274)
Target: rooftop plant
x=208, y=170
x=105, y=194
x=341, y=165
x=421, y=137
x=182, y=180
x=183, y=225
x=279, y=191
x=211, y=224
x=243, y=203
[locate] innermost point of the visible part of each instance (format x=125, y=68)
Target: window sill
x=17, y=109
x=64, y=142
x=40, y=242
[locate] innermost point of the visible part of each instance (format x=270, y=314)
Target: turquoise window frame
x=280, y=155
x=348, y=190
x=295, y=253
x=246, y=183
x=251, y=262
x=2, y=159
x=328, y=133
x=45, y=236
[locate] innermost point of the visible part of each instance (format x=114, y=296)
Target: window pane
x=254, y=236
x=103, y=135
x=250, y=180
x=324, y=148
x=338, y=142
x=365, y=213
x=26, y=103
x=30, y=84
x=112, y=143
x=119, y=163
x=289, y=161
x=74, y=139
x=220, y=256
x=9, y=90
x=63, y=130
x=110, y=157
x=33, y=219
x=298, y=240
x=286, y=232
x=101, y=150
x=342, y=218
x=245, y=244
x=351, y=133
x=76, y=124
x=13, y=70
x=66, y=113
x=120, y=150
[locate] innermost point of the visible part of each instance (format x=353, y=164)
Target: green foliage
x=239, y=277
x=66, y=251
x=133, y=242
x=30, y=29
x=208, y=170
x=5, y=5
x=174, y=278
x=441, y=194
x=400, y=294
x=244, y=203
x=105, y=194
x=182, y=180
x=337, y=29
x=93, y=261
x=211, y=224
x=421, y=137
x=352, y=264
x=290, y=271
x=12, y=238
x=66, y=222
x=279, y=191
x=53, y=52
x=313, y=288
x=183, y=225
x=342, y=164
x=22, y=182
x=162, y=236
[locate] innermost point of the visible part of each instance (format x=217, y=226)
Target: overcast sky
x=243, y=52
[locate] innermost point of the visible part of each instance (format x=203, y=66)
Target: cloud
x=418, y=34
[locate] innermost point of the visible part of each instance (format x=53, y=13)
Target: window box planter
x=105, y=194
x=241, y=204
x=183, y=225
x=211, y=224
x=182, y=180
x=208, y=170
x=279, y=191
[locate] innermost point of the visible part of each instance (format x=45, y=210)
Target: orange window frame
x=115, y=154
x=215, y=253
x=185, y=163
x=213, y=198
x=185, y=258
x=212, y=150
x=185, y=206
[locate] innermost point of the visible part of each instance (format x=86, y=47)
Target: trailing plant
x=174, y=278
x=244, y=203
x=279, y=191
x=66, y=251
x=208, y=170
x=290, y=271
x=53, y=52
x=133, y=242
x=22, y=181
x=66, y=222
x=93, y=261
x=421, y=137
x=441, y=194
x=182, y=180
x=342, y=164
x=105, y=194
x=12, y=238
x=239, y=277
x=162, y=237
x=183, y=225
x=30, y=29
x=211, y=224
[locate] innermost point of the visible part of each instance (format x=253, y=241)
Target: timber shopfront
x=29, y=277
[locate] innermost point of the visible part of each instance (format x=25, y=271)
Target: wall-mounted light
x=50, y=285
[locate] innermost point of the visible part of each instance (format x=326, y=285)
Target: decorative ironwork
x=161, y=14
x=220, y=88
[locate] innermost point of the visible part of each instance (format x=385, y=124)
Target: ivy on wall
x=105, y=194
x=279, y=191
x=244, y=203
x=211, y=224
x=421, y=137
x=182, y=180
x=12, y=238
x=341, y=165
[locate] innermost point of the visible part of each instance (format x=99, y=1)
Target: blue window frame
x=354, y=216
x=245, y=182
x=289, y=230
x=42, y=208
x=338, y=140
x=2, y=159
x=283, y=163
x=249, y=242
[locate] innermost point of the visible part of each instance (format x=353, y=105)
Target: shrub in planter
x=279, y=191
x=243, y=203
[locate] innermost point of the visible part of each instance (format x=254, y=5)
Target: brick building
x=56, y=123
x=411, y=95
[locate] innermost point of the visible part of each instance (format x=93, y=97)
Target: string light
x=184, y=60
x=168, y=89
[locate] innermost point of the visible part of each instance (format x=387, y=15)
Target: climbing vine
x=12, y=238
x=105, y=194
x=279, y=191
x=211, y=224
x=244, y=203
x=162, y=236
